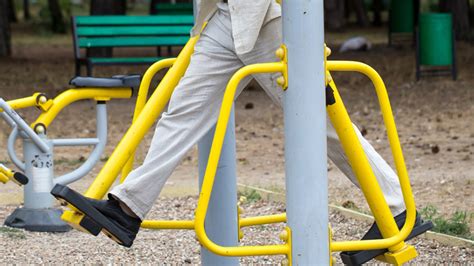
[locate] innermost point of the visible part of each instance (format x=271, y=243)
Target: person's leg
x=191, y=113
x=264, y=51
x=386, y=177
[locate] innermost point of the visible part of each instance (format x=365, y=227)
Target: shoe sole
x=93, y=221
x=363, y=256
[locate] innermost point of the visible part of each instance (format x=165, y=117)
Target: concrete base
x=38, y=220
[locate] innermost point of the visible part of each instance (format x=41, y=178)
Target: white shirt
x=247, y=16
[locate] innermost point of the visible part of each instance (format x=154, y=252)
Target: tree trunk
x=12, y=11
x=106, y=7
x=460, y=12
x=362, y=17
x=57, y=20
x=26, y=9
x=153, y=3
x=377, y=7
x=5, y=38
x=334, y=14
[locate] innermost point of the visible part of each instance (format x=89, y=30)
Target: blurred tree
x=57, y=20
x=460, y=11
x=153, y=5
x=5, y=38
x=12, y=11
x=377, y=8
x=26, y=9
x=334, y=14
x=106, y=7
x=361, y=13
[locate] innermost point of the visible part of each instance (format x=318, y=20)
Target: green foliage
x=249, y=196
x=12, y=232
x=456, y=225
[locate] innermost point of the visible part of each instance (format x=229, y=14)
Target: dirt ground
x=178, y=247
x=435, y=119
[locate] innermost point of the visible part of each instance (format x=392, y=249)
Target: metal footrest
x=363, y=256
x=93, y=220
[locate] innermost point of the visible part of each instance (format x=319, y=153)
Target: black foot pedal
x=92, y=227
x=94, y=220
x=363, y=256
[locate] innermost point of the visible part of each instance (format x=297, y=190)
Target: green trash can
x=435, y=44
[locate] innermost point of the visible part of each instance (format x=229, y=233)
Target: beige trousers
x=195, y=104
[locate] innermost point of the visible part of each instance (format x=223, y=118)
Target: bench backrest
x=130, y=31
x=174, y=9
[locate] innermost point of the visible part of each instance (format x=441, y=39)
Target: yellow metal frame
x=213, y=160
x=6, y=174
x=359, y=163
x=147, y=112
x=73, y=95
x=37, y=99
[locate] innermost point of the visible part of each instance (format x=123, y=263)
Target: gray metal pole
x=221, y=220
x=305, y=132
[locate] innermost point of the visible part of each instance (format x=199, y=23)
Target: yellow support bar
x=23, y=102
x=141, y=101
x=260, y=220
x=73, y=95
x=151, y=224
x=189, y=224
x=393, y=239
x=211, y=169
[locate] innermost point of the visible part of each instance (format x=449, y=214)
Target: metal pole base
x=37, y=220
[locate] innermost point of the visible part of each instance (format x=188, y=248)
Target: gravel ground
x=180, y=247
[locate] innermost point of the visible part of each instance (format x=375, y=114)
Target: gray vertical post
x=221, y=220
x=38, y=213
x=305, y=132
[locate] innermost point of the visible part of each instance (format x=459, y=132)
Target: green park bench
x=174, y=9
x=127, y=31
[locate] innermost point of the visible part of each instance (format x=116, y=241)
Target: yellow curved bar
x=397, y=155
x=73, y=95
x=189, y=224
x=141, y=100
x=211, y=169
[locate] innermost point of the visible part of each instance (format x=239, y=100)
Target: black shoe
x=101, y=215
x=363, y=256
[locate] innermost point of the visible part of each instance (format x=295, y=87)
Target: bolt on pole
x=305, y=132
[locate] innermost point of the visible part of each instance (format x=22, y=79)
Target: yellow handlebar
x=211, y=169
x=397, y=155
